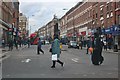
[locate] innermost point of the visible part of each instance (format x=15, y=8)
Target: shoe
x=63, y=64
x=38, y=54
x=52, y=66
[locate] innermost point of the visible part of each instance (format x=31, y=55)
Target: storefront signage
x=114, y=30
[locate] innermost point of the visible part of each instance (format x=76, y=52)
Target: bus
x=34, y=39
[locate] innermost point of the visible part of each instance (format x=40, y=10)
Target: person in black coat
x=97, y=57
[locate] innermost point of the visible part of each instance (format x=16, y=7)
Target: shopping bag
x=54, y=57
x=90, y=50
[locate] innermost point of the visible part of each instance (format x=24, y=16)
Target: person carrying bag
x=55, y=50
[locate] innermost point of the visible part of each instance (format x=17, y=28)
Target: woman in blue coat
x=56, y=50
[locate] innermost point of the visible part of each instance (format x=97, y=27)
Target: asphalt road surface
x=25, y=63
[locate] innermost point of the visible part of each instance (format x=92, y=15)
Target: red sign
x=83, y=33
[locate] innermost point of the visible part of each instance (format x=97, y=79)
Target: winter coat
x=56, y=47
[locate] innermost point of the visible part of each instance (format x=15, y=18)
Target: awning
x=114, y=30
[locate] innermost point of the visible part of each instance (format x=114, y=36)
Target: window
x=107, y=15
x=102, y=22
x=96, y=15
x=118, y=4
x=101, y=18
x=107, y=8
x=111, y=14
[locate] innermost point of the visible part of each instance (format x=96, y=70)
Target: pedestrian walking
x=105, y=45
x=28, y=42
x=3, y=43
x=39, y=47
x=16, y=43
x=56, y=51
x=81, y=44
x=19, y=42
x=10, y=44
x=89, y=44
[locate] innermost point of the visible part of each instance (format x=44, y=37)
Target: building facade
x=6, y=19
x=15, y=20
x=23, y=24
x=84, y=18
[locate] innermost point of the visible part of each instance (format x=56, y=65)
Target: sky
x=40, y=12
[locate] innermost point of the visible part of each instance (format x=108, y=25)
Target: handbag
x=54, y=57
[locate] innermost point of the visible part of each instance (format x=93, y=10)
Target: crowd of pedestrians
x=11, y=43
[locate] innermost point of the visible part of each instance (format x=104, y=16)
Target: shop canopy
x=114, y=30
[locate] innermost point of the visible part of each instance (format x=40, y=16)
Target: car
x=73, y=44
x=47, y=42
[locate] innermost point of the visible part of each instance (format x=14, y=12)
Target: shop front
x=114, y=32
x=83, y=34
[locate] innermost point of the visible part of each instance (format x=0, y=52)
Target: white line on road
x=75, y=59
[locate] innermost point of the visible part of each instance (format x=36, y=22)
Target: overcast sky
x=40, y=12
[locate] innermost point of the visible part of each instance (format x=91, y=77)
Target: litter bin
x=115, y=48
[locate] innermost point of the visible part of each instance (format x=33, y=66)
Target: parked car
x=73, y=44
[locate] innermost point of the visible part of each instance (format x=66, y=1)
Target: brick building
x=6, y=19
x=79, y=20
x=85, y=17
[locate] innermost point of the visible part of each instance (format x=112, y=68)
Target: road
x=26, y=63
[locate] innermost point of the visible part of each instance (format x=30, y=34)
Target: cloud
x=40, y=13
x=49, y=0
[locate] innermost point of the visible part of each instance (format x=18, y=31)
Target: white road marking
x=75, y=59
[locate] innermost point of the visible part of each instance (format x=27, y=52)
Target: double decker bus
x=34, y=39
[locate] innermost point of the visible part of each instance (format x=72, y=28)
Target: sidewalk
x=111, y=51
x=4, y=51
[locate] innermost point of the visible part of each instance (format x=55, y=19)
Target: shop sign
x=83, y=33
